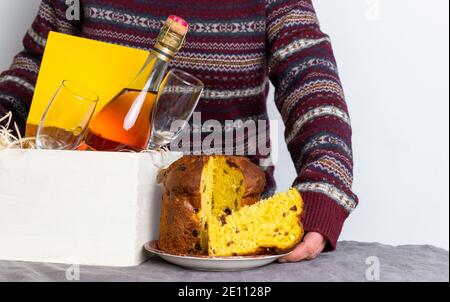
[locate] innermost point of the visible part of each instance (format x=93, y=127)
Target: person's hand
x=313, y=244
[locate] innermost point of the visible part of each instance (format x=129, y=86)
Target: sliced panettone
x=211, y=207
x=199, y=187
x=269, y=226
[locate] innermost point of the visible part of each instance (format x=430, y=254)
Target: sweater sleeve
x=17, y=84
x=311, y=101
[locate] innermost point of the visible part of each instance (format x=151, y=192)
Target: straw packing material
x=12, y=139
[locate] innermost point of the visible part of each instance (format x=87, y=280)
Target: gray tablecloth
x=354, y=261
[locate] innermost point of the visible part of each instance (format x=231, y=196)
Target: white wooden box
x=87, y=208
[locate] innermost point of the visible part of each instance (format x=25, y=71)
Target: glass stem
x=152, y=145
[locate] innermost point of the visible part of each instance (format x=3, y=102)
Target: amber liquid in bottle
x=124, y=123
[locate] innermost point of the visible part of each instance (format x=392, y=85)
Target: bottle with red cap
x=124, y=123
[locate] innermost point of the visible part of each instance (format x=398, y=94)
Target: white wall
x=393, y=58
x=15, y=18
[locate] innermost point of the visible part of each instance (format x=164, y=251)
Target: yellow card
x=105, y=68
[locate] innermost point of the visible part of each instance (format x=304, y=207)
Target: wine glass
x=65, y=121
x=177, y=99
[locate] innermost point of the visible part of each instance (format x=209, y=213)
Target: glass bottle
x=125, y=122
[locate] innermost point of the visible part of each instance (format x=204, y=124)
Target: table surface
x=350, y=262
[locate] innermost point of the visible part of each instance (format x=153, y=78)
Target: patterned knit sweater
x=235, y=47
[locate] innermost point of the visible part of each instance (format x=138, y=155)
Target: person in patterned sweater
x=235, y=48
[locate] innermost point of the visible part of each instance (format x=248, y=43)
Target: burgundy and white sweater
x=235, y=47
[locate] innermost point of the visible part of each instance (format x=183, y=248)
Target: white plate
x=219, y=264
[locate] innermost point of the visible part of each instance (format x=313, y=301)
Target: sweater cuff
x=323, y=215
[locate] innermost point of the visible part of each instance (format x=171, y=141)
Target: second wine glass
x=177, y=99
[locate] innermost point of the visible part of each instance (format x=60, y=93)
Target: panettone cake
x=211, y=206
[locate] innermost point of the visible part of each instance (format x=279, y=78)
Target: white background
x=393, y=59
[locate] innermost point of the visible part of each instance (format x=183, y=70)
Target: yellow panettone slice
x=268, y=226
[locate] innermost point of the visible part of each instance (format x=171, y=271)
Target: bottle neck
x=152, y=74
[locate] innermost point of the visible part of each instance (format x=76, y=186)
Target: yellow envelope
x=105, y=68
